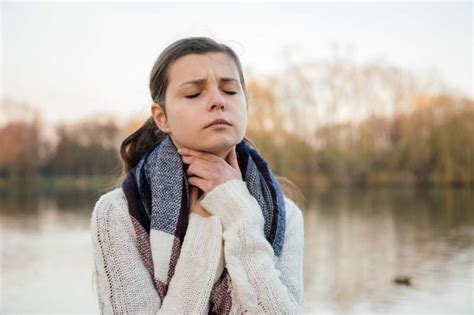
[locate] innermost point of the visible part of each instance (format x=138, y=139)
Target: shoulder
x=110, y=210
x=294, y=230
x=114, y=198
x=294, y=215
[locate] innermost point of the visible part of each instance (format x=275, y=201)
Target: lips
x=219, y=121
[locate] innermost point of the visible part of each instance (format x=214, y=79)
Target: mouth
x=219, y=122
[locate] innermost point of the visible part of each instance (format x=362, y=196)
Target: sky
x=87, y=59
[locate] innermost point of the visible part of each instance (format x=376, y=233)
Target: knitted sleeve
x=262, y=283
x=122, y=281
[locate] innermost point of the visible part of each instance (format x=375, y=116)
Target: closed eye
x=192, y=96
x=197, y=94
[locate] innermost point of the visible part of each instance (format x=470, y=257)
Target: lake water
x=356, y=243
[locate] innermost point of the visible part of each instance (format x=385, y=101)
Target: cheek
x=241, y=121
x=183, y=123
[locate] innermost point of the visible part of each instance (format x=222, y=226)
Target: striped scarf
x=157, y=193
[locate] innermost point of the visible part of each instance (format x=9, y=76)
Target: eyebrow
x=200, y=81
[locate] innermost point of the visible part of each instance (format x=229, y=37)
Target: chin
x=222, y=145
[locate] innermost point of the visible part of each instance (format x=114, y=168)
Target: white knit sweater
x=233, y=237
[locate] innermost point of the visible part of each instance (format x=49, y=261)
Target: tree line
x=336, y=126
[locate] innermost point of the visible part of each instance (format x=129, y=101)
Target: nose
x=217, y=101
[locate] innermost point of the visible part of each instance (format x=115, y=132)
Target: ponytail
x=138, y=143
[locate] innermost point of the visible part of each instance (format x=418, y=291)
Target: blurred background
x=367, y=107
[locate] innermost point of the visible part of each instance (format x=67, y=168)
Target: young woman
x=199, y=224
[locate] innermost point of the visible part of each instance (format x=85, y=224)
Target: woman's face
x=202, y=88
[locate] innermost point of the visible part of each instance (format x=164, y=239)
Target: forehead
x=198, y=66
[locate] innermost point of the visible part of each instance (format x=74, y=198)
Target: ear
x=159, y=117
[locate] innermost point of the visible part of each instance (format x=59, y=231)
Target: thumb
x=232, y=159
x=194, y=193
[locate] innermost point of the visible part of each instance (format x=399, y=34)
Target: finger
x=187, y=159
x=198, y=170
x=199, y=182
x=232, y=159
x=200, y=154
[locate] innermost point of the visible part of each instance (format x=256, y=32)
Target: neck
x=220, y=153
x=223, y=154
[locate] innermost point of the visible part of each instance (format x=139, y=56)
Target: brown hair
x=148, y=135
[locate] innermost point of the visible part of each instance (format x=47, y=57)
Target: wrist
x=232, y=202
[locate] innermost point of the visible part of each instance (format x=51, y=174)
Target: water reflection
x=357, y=242
x=46, y=255
x=29, y=208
